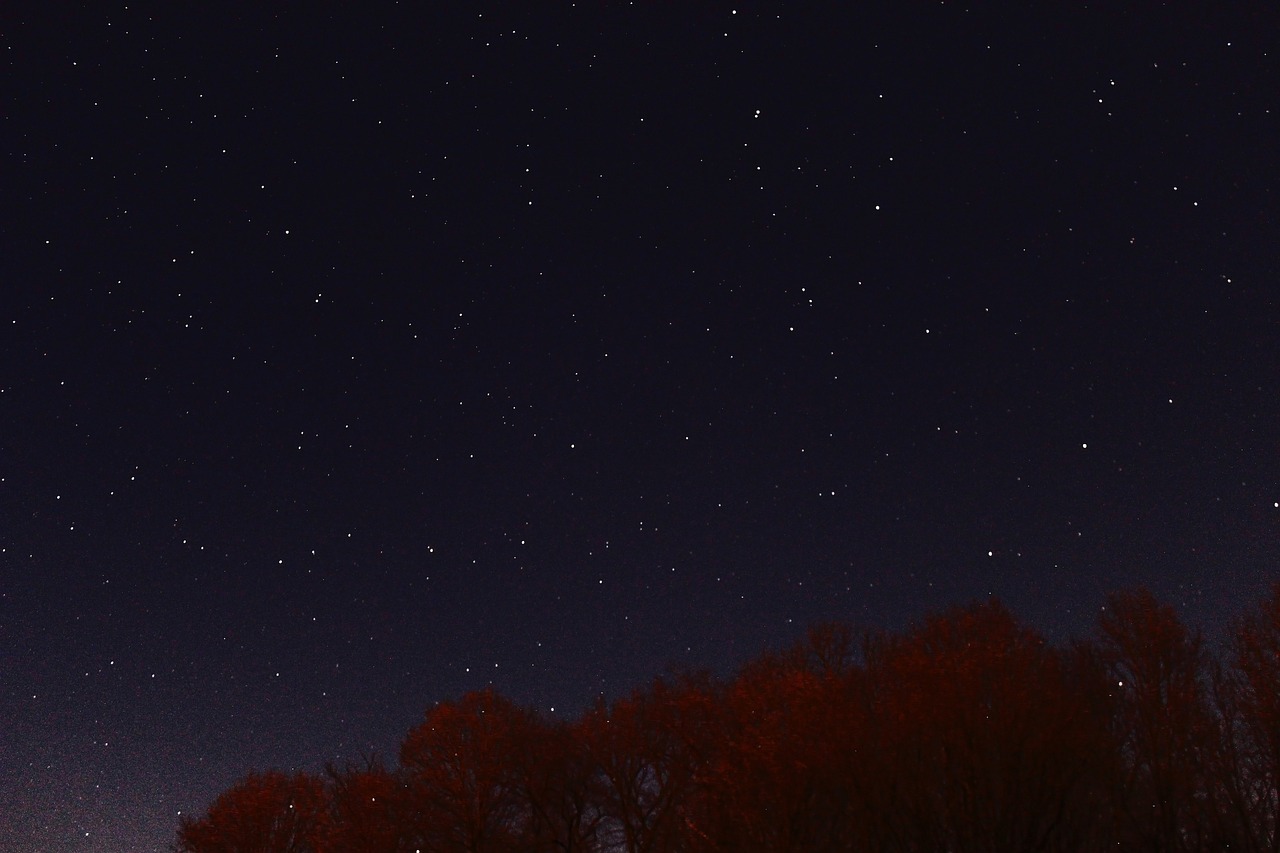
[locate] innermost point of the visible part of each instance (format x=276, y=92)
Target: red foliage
x=268, y=812
x=966, y=733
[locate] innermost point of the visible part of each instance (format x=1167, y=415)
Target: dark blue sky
x=353, y=360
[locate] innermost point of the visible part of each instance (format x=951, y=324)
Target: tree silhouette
x=1164, y=729
x=991, y=746
x=1248, y=693
x=264, y=813
x=649, y=750
x=462, y=792
x=559, y=788
x=775, y=778
x=369, y=810
x=967, y=733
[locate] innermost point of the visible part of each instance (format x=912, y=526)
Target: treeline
x=966, y=733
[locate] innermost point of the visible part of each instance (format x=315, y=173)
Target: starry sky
x=354, y=358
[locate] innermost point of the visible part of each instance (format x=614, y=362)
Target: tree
x=559, y=787
x=263, y=813
x=462, y=791
x=967, y=734
x=649, y=750
x=368, y=811
x=1248, y=693
x=1164, y=729
x=985, y=744
x=776, y=777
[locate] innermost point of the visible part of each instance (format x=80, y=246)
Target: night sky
x=352, y=360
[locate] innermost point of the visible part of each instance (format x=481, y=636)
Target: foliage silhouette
x=967, y=732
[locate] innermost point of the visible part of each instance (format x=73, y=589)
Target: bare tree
x=368, y=811
x=463, y=792
x=989, y=747
x=1247, y=690
x=649, y=751
x=560, y=788
x=1163, y=725
x=263, y=813
x=773, y=780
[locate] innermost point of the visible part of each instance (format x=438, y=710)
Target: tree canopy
x=967, y=732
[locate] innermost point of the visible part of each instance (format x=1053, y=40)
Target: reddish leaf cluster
x=967, y=733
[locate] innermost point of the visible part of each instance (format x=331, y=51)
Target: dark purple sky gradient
x=353, y=360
